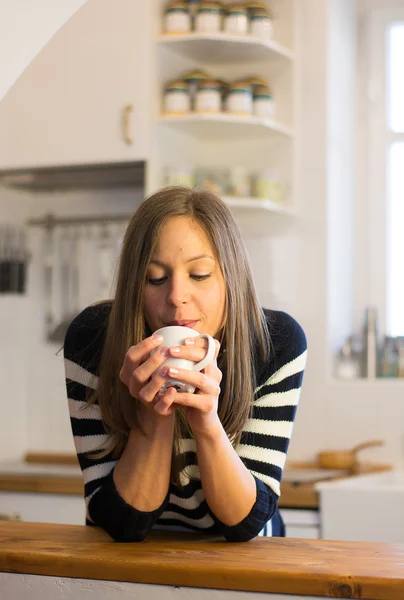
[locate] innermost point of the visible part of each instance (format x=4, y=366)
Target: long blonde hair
x=244, y=337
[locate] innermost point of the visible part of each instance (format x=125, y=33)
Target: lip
x=183, y=323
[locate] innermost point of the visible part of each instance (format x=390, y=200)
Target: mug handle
x=209, y=355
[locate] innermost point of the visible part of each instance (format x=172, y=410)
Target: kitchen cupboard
x=95, y=95
x=85, y=98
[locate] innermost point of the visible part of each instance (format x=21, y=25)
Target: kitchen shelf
x=219, y=125
x=222, y=47
x=258, y=204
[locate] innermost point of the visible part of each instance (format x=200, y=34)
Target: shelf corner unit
x=223, y=47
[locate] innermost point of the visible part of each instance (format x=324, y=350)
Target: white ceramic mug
x=174, y=336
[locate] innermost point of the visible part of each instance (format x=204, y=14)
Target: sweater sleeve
x=104, y=506
x=266, y=434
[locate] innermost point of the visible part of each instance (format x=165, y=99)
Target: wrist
x=152, y=423
x=210, y=434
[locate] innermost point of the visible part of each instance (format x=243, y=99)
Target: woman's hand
x=201, y=407
x=141, y=374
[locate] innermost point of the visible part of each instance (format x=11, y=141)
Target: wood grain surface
x=291, y=566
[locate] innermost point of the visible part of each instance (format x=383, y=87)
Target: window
x=381, y=152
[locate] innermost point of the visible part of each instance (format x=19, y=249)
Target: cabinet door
x=67, y=106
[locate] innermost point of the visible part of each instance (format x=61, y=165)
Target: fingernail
x=164, y=351
x=189, y=342
x=157, y=338
x=175, y=349
x=173, y=371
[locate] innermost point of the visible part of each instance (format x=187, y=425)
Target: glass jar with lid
x=263, y=102
x=208, y=17
x=193, y=79
x=208, y=96
x=261, y=24
x=177, y=18
x=239, y=98
x=236, y=19
x=177, y=100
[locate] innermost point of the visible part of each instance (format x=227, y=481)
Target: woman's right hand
x=140, y=372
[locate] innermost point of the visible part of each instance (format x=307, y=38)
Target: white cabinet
x=301, y=523
x=43, y=508
x=68, y=107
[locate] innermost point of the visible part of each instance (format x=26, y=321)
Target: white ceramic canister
x=208, y=17
x=261, y=24
x=263, y=102
x=177, y=99
x=177, y=18
x=193, y=79
x=236, y=19
x=239, y=99
x=208, y=97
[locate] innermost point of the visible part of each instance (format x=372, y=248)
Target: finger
x=164, y=404
x=148, y=391
x=136, y=354
x=188, y=352
x=213, y=371
x=196, y=378
x=203, y=402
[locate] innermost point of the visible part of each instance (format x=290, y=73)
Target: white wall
x=33, y=397
x=25, y=28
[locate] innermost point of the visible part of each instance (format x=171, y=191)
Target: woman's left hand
x=201, y=407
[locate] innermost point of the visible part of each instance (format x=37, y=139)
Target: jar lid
x=250, y=5
x=211, y=84
x=239, y=86
x=208, y=5
x=260, y=13
x=177, y=5
x=262, y=91
x=236, y=8
x=177, y=84
x=255, y=81
x=195, y=76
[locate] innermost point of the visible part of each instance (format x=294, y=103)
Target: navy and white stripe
x=263, y=446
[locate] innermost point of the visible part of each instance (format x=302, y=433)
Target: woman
x=209, y=461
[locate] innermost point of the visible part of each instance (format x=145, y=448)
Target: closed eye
x=157, y=281
x=200, y=277
x=161, y=280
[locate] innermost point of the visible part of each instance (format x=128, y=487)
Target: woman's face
x=185, y=285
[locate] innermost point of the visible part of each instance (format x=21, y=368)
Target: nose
x=179, y=291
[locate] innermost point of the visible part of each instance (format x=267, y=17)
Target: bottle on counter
x=347, y=365
x=389, y=358
x=177, y=18
x=370, y=344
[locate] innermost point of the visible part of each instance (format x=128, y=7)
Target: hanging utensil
x=49, y=257
x=69, y=284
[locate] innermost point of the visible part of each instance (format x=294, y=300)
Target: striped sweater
x=262, y=448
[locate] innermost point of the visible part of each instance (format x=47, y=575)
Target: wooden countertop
x=275, y=565
x=60, y=474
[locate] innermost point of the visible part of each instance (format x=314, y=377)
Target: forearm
x=142, y=475
x=229, y=488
